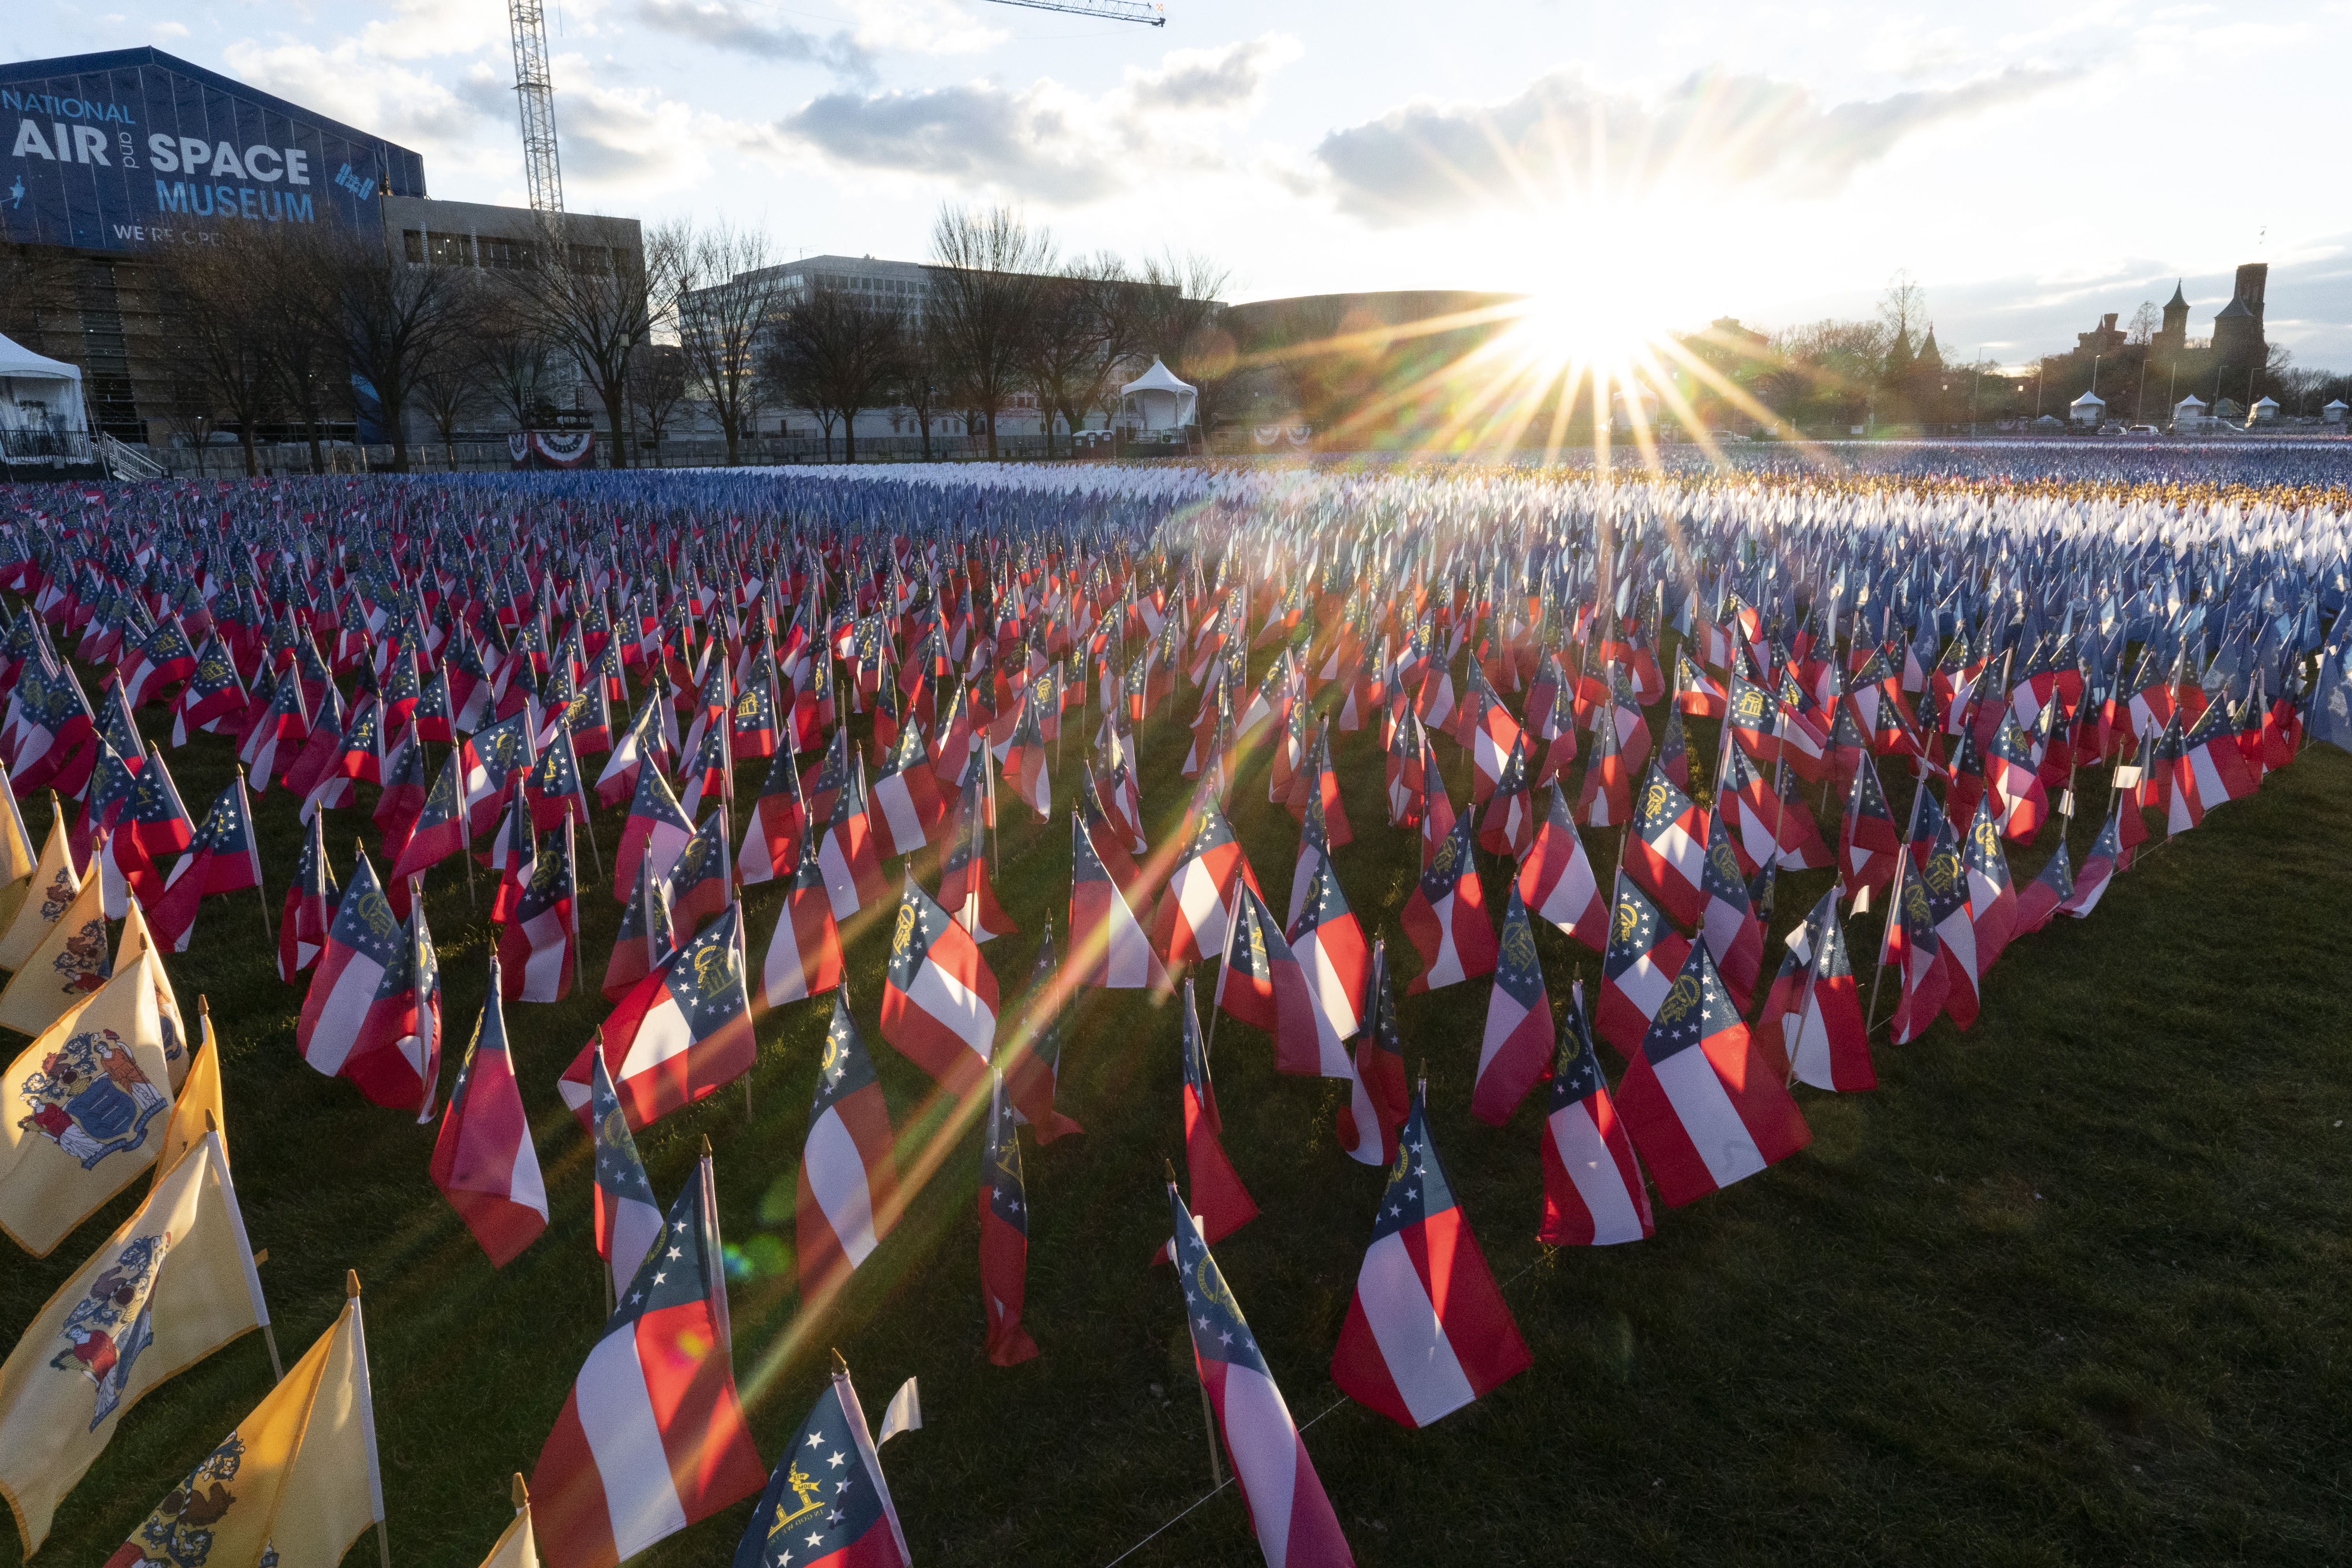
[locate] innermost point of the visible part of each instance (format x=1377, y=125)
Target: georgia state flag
x=1427, y=1331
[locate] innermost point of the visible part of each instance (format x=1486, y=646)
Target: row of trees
x=307, y=329
x=307, y=333
x=1002, y=317
x=1888, y=369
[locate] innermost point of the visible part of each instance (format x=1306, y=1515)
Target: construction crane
x=1151, y=15
x=535, y=95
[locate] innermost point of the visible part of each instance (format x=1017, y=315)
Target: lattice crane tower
x=535, y=96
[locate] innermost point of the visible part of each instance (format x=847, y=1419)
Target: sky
x=1653, y=166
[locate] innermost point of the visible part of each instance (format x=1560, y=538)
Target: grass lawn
x=2069, y=1288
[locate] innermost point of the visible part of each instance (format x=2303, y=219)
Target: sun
x=1565, y=329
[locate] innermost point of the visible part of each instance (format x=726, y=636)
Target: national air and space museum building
x=115, y=157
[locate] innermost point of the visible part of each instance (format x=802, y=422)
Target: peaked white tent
x=40, y=405
x=35, y=386
x=2087, y=409
x=1161, y=401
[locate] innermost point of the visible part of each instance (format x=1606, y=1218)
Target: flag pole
x=577, y=982
x=253, y=834
x=1208, y=1413
x=383, y=1532
x=588, y=820
x=466, y=829
x=743, y=961
x=1886, y=930
x=212, y=1125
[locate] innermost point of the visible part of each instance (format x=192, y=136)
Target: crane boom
x=1151, y=15
x=535, y=97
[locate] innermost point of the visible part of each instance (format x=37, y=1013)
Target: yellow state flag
x=515, y=1547
x=136, y=939
x=293, y=1486
x=16, y=857
x=66, y=966
x=54, y=883
x=198, y=1107
x=80, y=1111
x=170, y=1287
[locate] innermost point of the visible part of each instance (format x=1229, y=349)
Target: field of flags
x=551, y=841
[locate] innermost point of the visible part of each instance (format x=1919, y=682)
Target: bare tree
x=1179, y=307
x=515, y=364
x=987, y=270
x=595, y=302
x=923, y=384
x=657, y=384
x=449, y=389
x=1064, y=351
x=216, y=307
x=835, y=353
x=1901, y=307
x=305, y=335
x=1118, y=302
x=2144, y=322
x=397, y=316
x=730, y=289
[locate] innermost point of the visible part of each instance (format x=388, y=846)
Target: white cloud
x=925, y=27
x=628, y=140
x=1046, y=141
x=385, y=100
x=1711, y=129
x=742, y=29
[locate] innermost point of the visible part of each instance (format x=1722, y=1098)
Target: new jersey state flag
x=86, y=1107
x=1704, y=1110
x=1427, y=1331
x=173, y=1284
x=296, y=1483
x=1292, y=1519
x=827, y=1505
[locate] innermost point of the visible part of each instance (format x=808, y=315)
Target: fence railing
x=64, y=446
x=226, y=460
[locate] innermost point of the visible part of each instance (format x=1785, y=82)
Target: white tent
x=2189, y=411
x=1160, y=400
x=2264, y=411
x=2087, y=409
x=1622, y=408
x=2335, y=411
x=38, y=395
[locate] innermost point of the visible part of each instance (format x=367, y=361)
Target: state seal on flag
x=91, y=1097
x=106, y=1330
